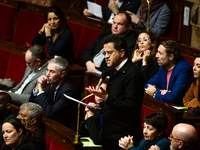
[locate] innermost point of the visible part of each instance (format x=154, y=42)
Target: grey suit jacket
x=19, y=99
x=160, y=21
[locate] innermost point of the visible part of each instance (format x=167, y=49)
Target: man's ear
x=180, y=144
x=8, y=106
x=33, y=121
x=122, y=53
x=63, y=73
x=38, y=62
x=171, y=56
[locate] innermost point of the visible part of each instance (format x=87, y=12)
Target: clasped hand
x=141, y=55
x=41, y=83
x=126, y=142
x=46, y=28
x=112, y=5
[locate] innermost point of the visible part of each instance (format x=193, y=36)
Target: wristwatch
x=154, y=94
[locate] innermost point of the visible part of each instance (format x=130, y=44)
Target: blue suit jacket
x=179, y=83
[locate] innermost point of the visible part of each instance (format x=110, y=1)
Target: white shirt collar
x=121, y=64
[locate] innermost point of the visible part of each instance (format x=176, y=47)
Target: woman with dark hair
x=144, y=54
x=153, y=131
x=15, y=135
x=191, y=98
x=56, y=35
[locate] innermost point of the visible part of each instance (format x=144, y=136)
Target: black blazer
x=122, y=108
x=62, y=109
x=97, y=45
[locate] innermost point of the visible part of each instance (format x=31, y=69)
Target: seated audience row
x=93, y=57
x=30, y=115
x=47, y=81
x=160, y=14
x=112, y=7
x=183, y=137
x=153, y=132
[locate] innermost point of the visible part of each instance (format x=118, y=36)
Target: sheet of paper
x=82, y=103
x=179, y=107
x=95, y=9
x=87, y=142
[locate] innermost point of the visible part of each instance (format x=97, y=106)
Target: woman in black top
x=56, y=35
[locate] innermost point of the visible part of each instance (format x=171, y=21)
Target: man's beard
x=171, y=148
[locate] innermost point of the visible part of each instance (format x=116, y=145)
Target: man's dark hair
x=157, y=120
x=5, y=97
x=128, y=18
x=58, y=12
x=172, y=48
x=37, y=52
x=118, y=40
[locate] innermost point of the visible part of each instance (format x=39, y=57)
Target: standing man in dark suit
x=93, y=57
x=49, y=91
x=123, y=97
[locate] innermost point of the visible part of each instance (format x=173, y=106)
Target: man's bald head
x=182, y=135
x=186, y=132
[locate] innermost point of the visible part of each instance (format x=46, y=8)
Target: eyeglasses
x=144, y=39
x=171, y=137
x=108, y=53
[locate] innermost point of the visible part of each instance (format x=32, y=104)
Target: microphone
x=77, y=136
x=102, y=77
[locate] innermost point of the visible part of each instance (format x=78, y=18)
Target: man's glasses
x=108, y=53
x=171, y=137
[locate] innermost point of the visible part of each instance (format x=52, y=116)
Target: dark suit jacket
x=130, y=5
x=62, y=109
x=97, y=45
x=89, y=128
x=122, y=108
x=26, y=145
x=38, y=140
x=179, y=82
